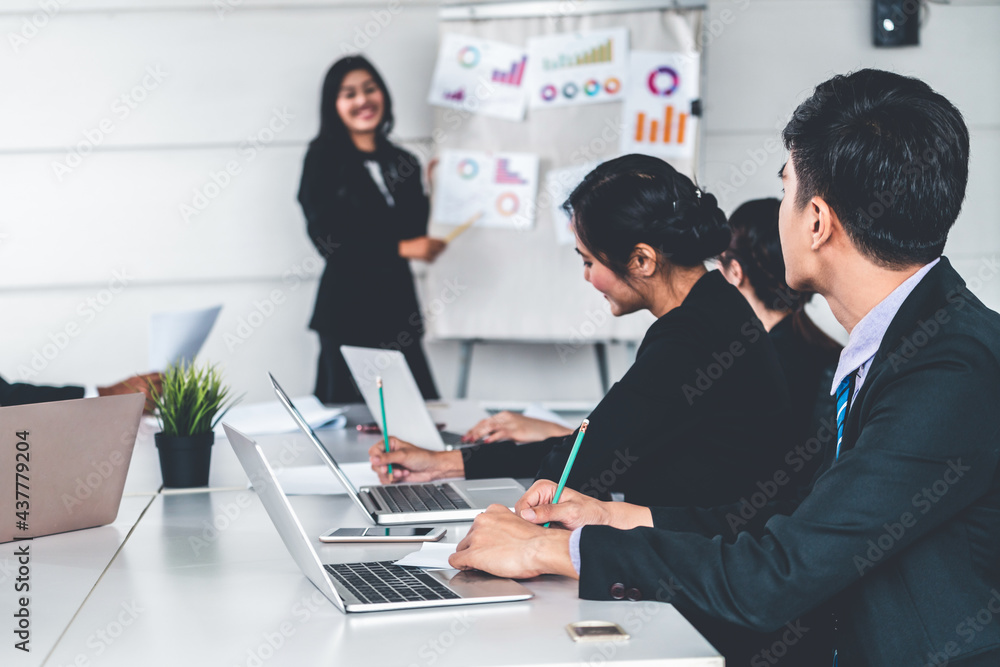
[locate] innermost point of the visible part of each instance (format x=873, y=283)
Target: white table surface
x=234, y=597
x=203, y=579
x=63, y=570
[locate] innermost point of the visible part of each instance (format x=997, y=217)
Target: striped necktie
x=844, y=392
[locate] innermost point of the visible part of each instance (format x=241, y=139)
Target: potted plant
x=189, y=404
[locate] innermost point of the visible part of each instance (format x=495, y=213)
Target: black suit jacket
x=899, y=539
x=21, y=394
x=700, y=416
x=366, y=294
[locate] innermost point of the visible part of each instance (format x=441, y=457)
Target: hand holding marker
x=569, y=464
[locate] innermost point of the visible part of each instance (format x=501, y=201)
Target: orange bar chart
x=674, y=127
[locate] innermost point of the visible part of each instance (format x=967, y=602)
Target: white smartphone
x=596, y=631
x=378, y=534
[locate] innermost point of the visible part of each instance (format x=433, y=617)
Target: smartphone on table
x=383, y=534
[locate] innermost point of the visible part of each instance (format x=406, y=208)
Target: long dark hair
x=756, y=247
x=641, y=199
x=331, y=127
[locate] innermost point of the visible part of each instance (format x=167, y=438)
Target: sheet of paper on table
x=270, y=417
x=538, y=411
x=319, y=479
x=432, y=555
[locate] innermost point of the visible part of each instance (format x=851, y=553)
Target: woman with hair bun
x=701, y=416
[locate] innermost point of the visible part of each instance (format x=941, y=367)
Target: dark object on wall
x=896, y=22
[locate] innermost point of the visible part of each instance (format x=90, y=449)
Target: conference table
x=200, y=577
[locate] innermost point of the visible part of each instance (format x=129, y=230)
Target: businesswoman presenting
x=367, y=215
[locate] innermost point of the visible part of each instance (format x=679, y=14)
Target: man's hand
x=413, y=464
x=575, y=509
x=421, y=247
x=513, y=426
x=137, y=384
x=502, y=544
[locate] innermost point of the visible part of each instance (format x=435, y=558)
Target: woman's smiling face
x=622, y=298
x=360, y=102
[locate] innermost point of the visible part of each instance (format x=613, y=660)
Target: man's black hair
x=891, y=158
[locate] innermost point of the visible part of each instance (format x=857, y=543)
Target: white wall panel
x=770, y=55
x=742, y=166
x=978, y=227
x=123, y=208
x=221, y=8
x=217, y=82
x=89, y=335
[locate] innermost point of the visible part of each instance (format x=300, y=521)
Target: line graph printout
x=500, y=186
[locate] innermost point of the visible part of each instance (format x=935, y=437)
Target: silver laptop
x=65, y=463
x=457, y=500
x=405, y=410
x=375, y=586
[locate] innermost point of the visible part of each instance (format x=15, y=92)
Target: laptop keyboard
x=422, y=498
x=388, y=582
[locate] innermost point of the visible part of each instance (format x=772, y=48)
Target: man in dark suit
x=895, y=552
x=20, y=393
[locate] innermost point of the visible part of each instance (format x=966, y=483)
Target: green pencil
x=569, y=464
x=385, y=427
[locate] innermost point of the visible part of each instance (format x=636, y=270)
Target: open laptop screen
x=352, y=491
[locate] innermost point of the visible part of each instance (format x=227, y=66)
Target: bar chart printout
x=499, y=188
x=480, y=76
x=599, y=54
x=514, y=75
x=661, y=88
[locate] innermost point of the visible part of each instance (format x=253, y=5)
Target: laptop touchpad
x=490, y=485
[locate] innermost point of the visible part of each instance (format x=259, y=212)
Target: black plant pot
x=185, y=459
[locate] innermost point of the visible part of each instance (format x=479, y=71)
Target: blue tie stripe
x=843, y=398
x=844, y=392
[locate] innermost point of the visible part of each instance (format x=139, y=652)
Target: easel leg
x=464, y=367
x=601, y=350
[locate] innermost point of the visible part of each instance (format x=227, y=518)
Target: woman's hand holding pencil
x=410, y=463
x=576, y=509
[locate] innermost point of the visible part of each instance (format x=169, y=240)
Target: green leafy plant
x=192, y=400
